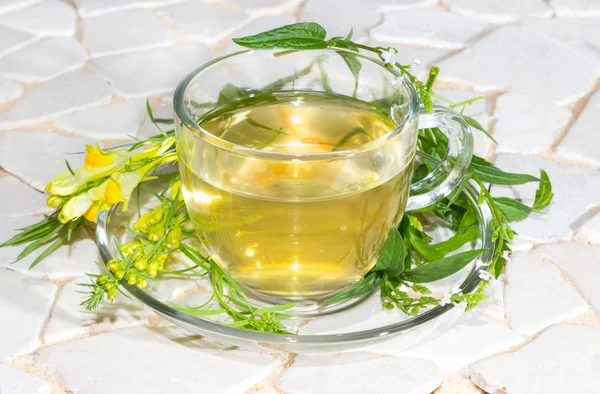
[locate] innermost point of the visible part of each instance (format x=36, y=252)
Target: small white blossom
x=506, y=256
x=389, y=56
x=457, y=290
x=416, y=61
x=446, y=299
x=485, y=275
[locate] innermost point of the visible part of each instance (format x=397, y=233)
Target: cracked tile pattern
x=74, y=72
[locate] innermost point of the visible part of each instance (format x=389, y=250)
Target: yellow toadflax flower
x=75, y=208
x=98, y=165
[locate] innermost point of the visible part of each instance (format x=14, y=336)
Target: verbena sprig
x=409, y=258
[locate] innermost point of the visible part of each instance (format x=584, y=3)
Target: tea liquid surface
x=299, y=229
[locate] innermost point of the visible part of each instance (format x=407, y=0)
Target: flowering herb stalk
x=409, y=259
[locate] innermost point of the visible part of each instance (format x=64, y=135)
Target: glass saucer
x=361, y=322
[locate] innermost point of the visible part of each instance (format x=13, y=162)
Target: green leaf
x=440, y=269
x=355, y=131
x=512, y=209
x=367, y=285
x=391, y=258
x=53, y=246
x=488, y=173
x=230, y=92
x=69, y=167
x=543, y=195
x=151, y=116
x=353, y=64
x=433, y=73
x=476, y=125
x=426, y=100
x=305, y=35
x=456, y=241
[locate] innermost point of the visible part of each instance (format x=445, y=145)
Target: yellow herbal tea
x=301, y=228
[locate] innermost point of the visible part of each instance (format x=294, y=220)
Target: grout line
x=46, y=372
x=61, y=284
x=577, y=108
x=287, y=359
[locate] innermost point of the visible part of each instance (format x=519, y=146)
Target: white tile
x=124, y=31
x=131, y=77
x=398, y=5
x=576, y=8
x=501, y=11
x=579, y=35
x=217, y=22
x=54, y=56
x=524, y=68
x=536, y=296
x=527, y=123
x=74, y=258
x=581, y=263
x=9, y=90
x=118, y=120
x=12, y=39
x=328, y=14
x=581, y=139
x=24, y=305
x=92, y=8
x=159, y=360
x=575, y=191
x=472, y=338
x=11, y=5
x=20, y=199
x=16, y=381
x=17, y=148
x=563, y=359
x=429, y=27
x=70, y=320
x=352, y=373
x=265, y=7
x=48, y=18
x=590, y=230
x=62, y=95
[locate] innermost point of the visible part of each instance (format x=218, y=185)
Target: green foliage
x=408, y=259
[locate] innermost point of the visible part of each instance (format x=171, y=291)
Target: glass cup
x=287, y=217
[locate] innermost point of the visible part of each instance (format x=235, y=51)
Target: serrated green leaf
x=512, y=209
x=305, y=35
x=440, y=269
x=543, y=195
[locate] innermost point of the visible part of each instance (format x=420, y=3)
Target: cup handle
x=448, y=174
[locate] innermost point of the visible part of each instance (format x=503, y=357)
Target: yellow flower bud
x=75, y=208
x=55, y=202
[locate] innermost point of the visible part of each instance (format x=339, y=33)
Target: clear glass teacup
x=295, y=167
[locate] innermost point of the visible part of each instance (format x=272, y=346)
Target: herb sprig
x=408, y=260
